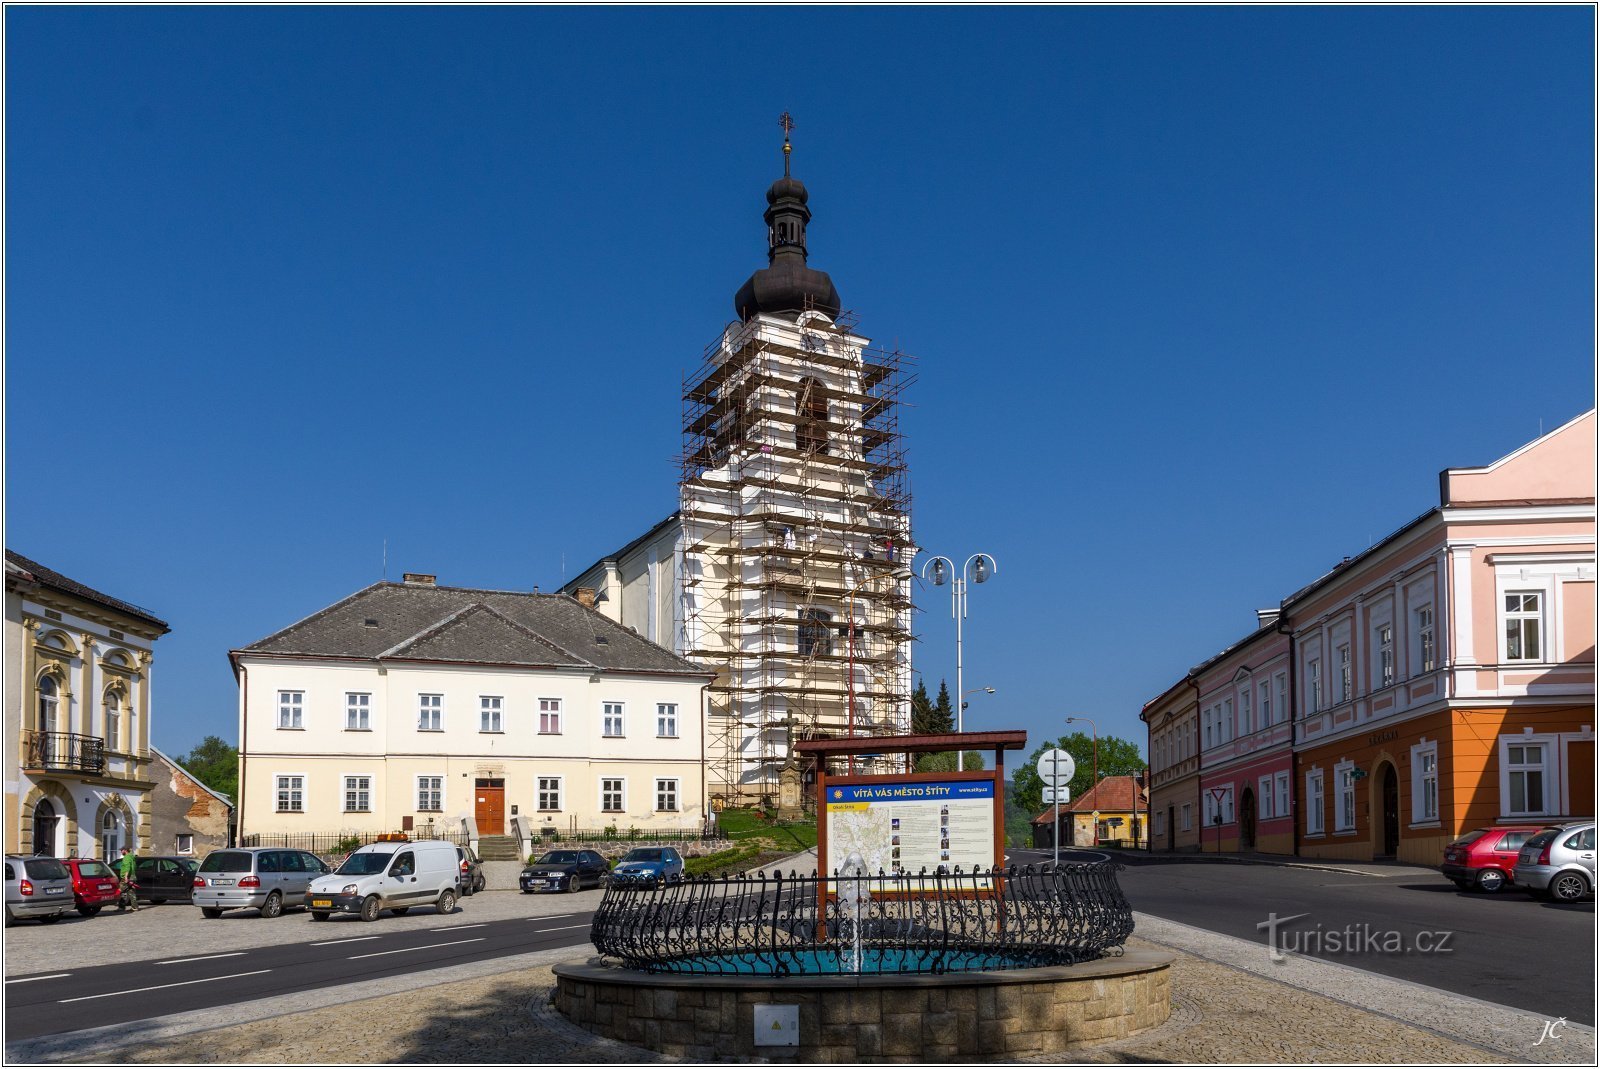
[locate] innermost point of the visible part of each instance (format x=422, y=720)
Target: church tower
x=795, y=542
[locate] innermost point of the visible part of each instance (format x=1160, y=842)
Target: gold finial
x=787, y=122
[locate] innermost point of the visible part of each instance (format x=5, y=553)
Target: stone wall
x=893, y=1018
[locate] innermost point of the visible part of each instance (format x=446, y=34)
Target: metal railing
x=62, y=751
x=333, y=844
x=775, y=924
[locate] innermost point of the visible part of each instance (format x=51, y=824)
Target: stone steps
x=498, y=848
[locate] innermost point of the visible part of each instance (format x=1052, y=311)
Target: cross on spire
x=787, y=122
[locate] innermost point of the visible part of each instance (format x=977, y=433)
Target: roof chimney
x=1267, y=617
x=586, y=596
x=419, y=579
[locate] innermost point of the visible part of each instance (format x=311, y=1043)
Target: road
x=1408, y=923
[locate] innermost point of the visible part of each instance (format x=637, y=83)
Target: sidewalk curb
x=1202, y=859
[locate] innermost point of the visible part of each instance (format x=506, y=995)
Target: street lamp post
x=980, y=566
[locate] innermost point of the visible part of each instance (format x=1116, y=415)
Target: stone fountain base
x=996, y=1016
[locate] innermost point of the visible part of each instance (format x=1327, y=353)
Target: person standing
x=127, y=867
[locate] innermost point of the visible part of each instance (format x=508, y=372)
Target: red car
x=1483, y=858
x=93, y=884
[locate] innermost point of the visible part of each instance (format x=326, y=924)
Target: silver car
x=37, y=888
x=1559, y=862
x=266, y=878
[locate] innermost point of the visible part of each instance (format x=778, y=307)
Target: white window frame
x=543, y=790
x=549, y=716
x=1285, y=804
x=1186, y=813
x=360, y=793
x=1230, y=729
x=613, y=720
x=491, y=711
x=1247, y=721
x=1538, y=617
x=666, y=720
x=357, y=710
x=674, y=793
x=1266, y=801
x=1213, y=806
x=430, y=707
x=1427, y=646
x=1316, y=812
x=1424, y=781
x=1546, y=769
x=113, y=720
x=1344, y=785
x=621, y=793
x=291, y=710
x=180, y=846
x=295, y=792
x=426, y=793
x=1282, y=682
x=1346, y=677
x=1314, y=683
x=1384, y=639
x=1264, y=703
x=1159, y=822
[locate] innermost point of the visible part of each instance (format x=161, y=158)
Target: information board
x=906, y=828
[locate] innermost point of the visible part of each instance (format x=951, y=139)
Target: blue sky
x=1203, y=299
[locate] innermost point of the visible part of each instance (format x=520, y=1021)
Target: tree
x=1118, y=757
x=944, y=714
x=922, y=722
x=971, y=761
x=216, y=764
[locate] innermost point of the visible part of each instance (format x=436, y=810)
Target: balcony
x=58, y=751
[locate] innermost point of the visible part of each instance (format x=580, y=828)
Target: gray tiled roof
x=452, y=624
x=25, y=569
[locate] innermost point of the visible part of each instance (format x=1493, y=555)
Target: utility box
x=777, y=1026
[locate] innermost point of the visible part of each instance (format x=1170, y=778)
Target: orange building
x=1444, y=678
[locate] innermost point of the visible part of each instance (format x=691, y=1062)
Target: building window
x=1524, y=612
x=1525, y=779
x=430, y=794
x=1344, y=809
x=1206, y=717
x=490, y=709
x=1314, y=803
x=1385, y=655
x=611, y=720
x=1266, y=705
x=1314, y=683
x=1219, y=803
x=1282, y=681
x=113, y=721
x=358, y=794
x=549, y=794
x=611, y=795
x=1158, y=823
x=666, y=796
x=1185, y=817
x=1228, y=729
x=1425, y=654
x=357, y=712
x=1246, y=724
x=291, y=794
x=1344, y=673
x=430, y=712
x=814, y=632
x=549, y=716
x=1264, y=799
x=289, y=708
x=1282, y=782
x=1425, y=781
x=667, y=721
x=185, y=842
x=111, y=836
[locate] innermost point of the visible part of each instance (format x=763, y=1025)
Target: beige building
x=77, y=716
x=186, y=817
x=1173, y=721
x=413, y=706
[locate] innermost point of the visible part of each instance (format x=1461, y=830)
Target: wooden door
x=1580, y=779
x=490, y=806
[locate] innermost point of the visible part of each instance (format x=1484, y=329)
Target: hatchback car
x=37, y=888
x=1558, y=862
x=1483, y=858
x=565, y=870
x=263, y=878
x=648, y=866
x=472, y=878
x=164, y=879
x=94, y=885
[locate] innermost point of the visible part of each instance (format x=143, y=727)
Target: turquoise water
x=873, y=960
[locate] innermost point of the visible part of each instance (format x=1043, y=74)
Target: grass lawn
x=745, y=824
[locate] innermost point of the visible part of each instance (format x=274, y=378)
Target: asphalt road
x=1408, y=923
x=336, y=952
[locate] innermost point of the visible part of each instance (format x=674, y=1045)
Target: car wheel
x=10, y=920
x=480, y=883
x=447, y=902
x=575, y=884
x=319, y=914
x=370, y=908
x=1568, y=887
x=1490, y=881
x=273, y=906
x=88, y=911
x=209, y=913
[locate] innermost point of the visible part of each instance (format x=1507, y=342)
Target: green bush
x=734, y=857
x=347, y=844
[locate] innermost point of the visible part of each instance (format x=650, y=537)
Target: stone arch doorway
x=46, y=828
x=1389, y=808
x=1247, y=820
x=50, y=820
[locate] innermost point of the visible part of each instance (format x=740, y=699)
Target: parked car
x=1558, y=862
x=37, y=888
x=648, y=866
x=565, y=870
x=167, y=878
x=389, y=874
x=472, y=878
x=94, y=885
x=1483, y=858
x=263, y=878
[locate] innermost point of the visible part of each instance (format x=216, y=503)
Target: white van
x=393, y=874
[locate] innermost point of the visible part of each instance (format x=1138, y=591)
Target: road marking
x=555, y=917
x=336, y=942
x=458, y=927
x=30, y=979
x=208, y=957
x=407, y=950
x=569, y=927
x=158, y=987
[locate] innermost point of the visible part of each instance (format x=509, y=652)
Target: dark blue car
x=648, y=866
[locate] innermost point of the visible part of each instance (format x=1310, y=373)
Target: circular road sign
x=1056, y=768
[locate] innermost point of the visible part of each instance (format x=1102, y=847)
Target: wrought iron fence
x=547, y=833
x=930, y=922
x=65, y=751
x=333, y=844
